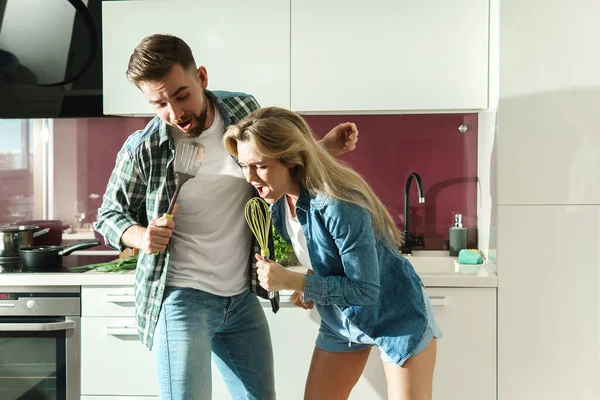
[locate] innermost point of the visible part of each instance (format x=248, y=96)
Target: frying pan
x=49, y=258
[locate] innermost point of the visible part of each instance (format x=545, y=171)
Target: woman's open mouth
x=263, y=191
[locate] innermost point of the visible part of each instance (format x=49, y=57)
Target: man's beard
x=200, y=120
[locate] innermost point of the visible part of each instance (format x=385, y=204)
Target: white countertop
x=483, y=276
x=435, y=268
x=90, y=278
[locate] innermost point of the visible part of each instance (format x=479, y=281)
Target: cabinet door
x=113, y=361
x=466, y=355
x=549, y=303
x=384, y=55
x=244, y=45
x=293, y=332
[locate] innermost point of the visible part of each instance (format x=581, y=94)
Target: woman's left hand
x=272, y=276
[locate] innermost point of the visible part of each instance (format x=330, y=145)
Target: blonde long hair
x=284, y=135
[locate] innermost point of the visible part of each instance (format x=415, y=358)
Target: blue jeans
x=193, y=324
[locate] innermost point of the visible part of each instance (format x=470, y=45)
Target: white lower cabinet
x=293, y=333
x=114, y=364
x=466, y=355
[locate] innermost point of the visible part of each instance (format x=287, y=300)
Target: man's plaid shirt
x=139, y=190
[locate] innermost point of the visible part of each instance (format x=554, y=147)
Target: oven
x=40, y=343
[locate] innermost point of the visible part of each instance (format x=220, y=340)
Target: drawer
x=107, y=301
x=113, y=360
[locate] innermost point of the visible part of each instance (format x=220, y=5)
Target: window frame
x=25, y=171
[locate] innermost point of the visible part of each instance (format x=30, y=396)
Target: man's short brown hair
x=154, y=57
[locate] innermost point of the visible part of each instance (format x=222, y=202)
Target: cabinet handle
x=437, y=301
x=121, y=330
x=120, y=298
x=44, y=327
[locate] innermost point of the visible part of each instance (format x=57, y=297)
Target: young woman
x=365, y=292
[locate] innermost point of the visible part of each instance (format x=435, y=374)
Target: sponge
x=469, y=256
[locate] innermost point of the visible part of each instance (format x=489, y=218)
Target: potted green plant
x=284, y=252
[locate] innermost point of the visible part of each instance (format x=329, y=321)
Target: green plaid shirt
x=139, y=190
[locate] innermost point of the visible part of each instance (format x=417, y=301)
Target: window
x=16, y=170
x=15, y=150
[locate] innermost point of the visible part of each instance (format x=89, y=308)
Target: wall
x=392, y=146
x=84, y=171
x=549, y=201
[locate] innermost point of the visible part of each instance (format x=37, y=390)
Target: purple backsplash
x=101, y=139
x=390, y=147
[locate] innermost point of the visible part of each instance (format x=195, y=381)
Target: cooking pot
x=15, y=237
x=53, y=237
x=49, y=258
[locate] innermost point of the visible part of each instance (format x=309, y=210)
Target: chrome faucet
x=409, y=240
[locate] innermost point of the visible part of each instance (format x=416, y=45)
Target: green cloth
x=469, y=257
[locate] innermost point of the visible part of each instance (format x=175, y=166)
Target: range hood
x=50, y=58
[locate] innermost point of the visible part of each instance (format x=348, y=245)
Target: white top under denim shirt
x=330, y=314
x=375, y=288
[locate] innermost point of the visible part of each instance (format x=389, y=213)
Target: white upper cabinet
x=389, y=55
x=244, y=45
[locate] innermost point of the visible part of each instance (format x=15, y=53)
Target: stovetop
x=15, y=266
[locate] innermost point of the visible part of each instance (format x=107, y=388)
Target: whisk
x=258, y=217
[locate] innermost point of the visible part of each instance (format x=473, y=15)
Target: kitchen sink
x=433, y=262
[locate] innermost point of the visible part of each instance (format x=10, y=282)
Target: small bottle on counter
x=458, y=236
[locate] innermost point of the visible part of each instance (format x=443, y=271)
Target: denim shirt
x=377, y=289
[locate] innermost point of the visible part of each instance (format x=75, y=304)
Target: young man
x=193, y=297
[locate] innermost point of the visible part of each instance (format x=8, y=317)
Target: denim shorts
x=338, y=335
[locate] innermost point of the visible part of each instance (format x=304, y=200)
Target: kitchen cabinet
x=549, y=305
x=466, y=355
x=293, y=333
x=555, y=140
x=385, y=55
x=465, y=368
x=244, y=45
x=110, y=348
x=314, y=56
x=111, y=351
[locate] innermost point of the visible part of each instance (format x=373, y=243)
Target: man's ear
x=202, y=76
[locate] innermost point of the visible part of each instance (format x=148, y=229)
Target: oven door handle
x=51, y=326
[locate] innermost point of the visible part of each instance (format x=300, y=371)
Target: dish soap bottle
x=458, y=236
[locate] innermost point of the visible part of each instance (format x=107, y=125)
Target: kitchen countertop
x=73, y=278
x=483, y=276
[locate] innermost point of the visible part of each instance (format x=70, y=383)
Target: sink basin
x=434, y=264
